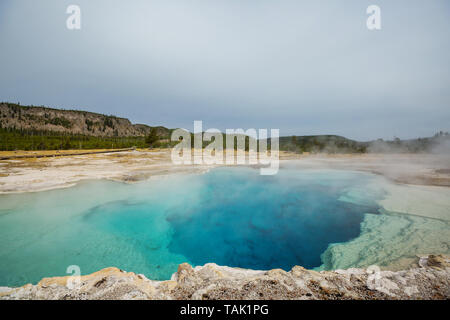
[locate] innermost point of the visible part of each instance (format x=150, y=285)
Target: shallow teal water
x=229, y=216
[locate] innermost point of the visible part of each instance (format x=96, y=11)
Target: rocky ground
x=430, y=279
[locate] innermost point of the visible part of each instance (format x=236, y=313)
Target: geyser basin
x=229, y=216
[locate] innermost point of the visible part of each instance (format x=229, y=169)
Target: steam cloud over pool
x=229, y=216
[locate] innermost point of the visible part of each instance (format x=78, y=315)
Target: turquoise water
x=229, y=216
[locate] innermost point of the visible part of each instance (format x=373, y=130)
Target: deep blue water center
x=263, y=223
x=229, y=216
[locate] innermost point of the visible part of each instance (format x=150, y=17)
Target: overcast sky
x=305, y=67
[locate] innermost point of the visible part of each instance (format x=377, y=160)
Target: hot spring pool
x=229, y=216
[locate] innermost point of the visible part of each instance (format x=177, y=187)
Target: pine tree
x=152, y=137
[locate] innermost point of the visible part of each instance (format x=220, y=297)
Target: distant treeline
x=13, y=139
x=19, y=139
x=322, y=144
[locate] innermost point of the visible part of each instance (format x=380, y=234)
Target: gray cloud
x=306, y=67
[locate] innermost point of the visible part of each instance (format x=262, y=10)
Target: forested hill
x=71, y=122
x=41, y=128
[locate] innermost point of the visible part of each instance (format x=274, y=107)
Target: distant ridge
x=42, y=128
x=14, y=116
